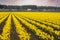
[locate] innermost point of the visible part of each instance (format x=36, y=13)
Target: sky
x=31, y=2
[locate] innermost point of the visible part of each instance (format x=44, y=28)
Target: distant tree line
x=25, y=7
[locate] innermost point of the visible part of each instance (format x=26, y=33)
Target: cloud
x=54, y=2
x=32, y=2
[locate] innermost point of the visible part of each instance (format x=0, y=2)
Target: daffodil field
x=29, y=25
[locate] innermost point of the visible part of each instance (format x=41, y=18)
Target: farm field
x=29, y=25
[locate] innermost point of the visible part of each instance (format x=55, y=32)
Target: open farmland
x=29, y=25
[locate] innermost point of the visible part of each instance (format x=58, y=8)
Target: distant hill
x=28, y=8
